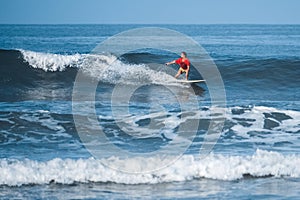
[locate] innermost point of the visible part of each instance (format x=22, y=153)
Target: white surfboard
x=190, y=81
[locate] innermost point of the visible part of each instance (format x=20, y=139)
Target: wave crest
x=49, y=61
x=106, y=68
x=220, y=167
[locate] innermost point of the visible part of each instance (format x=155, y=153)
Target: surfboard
x=190, y=81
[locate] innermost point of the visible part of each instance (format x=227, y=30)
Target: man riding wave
x=184, y=64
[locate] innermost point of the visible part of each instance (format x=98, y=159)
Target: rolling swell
x=250, y=74
x=15, y=70
x=20, y=81
x=262, y=78
x=269, y=70
x=32, y=75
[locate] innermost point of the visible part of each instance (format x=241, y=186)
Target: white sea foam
x=284, y=128
x=242, y=124
x=49, y=61
x=105, y=68
x=220, y=167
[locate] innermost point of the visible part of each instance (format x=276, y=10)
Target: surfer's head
x=183, y=54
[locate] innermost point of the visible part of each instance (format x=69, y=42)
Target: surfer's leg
x=178, y=73
x=187, y=76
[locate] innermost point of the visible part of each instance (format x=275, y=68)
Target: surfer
x=184, y=65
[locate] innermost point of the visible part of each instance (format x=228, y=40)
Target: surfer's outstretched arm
x=172, y=62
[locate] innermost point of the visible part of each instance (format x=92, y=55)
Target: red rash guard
x=183, y=63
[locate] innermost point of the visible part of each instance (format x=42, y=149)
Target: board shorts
x=182, y=70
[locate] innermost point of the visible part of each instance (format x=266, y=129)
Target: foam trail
x=281, y=123
x=68, y=171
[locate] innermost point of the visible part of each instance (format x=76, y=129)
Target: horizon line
x=149, y=24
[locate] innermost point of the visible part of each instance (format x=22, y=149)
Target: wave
x=26, y=75
x=31, y=70
x=106, y=68
x=49, y=61
x=267, y=71
x=261, y=74
x=220, y=167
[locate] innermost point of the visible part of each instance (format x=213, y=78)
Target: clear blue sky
x=150, y=11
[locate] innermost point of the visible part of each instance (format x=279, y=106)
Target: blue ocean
x=51, y=147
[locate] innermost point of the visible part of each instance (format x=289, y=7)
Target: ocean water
x=45, y=151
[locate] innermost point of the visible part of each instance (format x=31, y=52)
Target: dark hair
x=184, y=53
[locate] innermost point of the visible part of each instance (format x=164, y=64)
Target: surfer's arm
x=172, y=62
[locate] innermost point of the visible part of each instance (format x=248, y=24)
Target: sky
x=149, y=12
